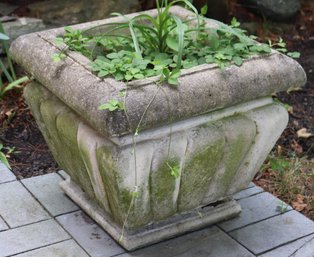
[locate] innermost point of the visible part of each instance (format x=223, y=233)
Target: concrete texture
x=105, y=167
x=225, y=88
x=68, y=248
x=215, y=153
x=271, y=233
x=29, y=237
x=89, y=235
x=294, y=247
x=153, y=233
x=44, y=189
x=18, y=207
x=77, y=235
x=255, y=208
x=3, y=225
x=6, y=174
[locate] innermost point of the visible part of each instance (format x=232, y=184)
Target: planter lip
x=201, y=89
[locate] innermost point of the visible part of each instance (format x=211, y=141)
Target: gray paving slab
x=89, y=235
x=67, y=248
x=3, y=225
x=6, y=174
x=209, y=242
x=253, y=190
x=289, y=249
x=30, y=237
x=255, y=208
x=306, y=250
x=276, y=231
x=18, y=207
x=63, y=174
x=48, y=192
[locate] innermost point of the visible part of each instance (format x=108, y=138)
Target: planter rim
x=201, y=89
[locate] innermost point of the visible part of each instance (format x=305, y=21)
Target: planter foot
x=172, y=227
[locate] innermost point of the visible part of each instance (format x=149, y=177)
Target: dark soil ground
x=31, y=156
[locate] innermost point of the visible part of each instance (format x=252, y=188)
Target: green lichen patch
x=240, y=133
x=197, y=174
x=162, y=185
x=67, y=125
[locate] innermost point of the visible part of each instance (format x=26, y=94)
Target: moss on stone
x=67, y=125
x=197, y=174
x=163, y=185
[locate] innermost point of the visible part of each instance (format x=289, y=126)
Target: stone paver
x=306, y=250
x=67, y=248
x=253, y=190
x=260, y=230
x=46, y=189
x=63, y=174
x=290, y=249
x=29, y=237
x=3, y=226
x=5, y=174
x=210, y=242
x=18, y=207
x=273, y=232
x=89, y=235
x=255, y=208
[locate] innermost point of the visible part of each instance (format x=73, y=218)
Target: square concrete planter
x=218, y=127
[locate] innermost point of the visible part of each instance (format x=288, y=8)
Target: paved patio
x=38, y=220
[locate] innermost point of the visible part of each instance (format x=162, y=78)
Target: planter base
x=172, y=227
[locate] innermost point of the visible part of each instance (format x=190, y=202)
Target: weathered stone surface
x=254, y=209
x=6, y=174
x=201, y=161
x=248, y=192
x=89, y=235
x=291, y=248
x=46, y=189
x=22, y=26
x=7, y=9
x=270, y=121
x=210, y=242
x=306, y=250
x=274, y=9
x=107, y=170
x=18, y=207
x=65, y=12
x=85, y=92
x=153, y=233
x=67, y=248
x=213, y=153
x=239, y=133
x=3, y=225
x=30, y=237
x=268, y=234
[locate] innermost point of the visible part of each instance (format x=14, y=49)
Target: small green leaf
x=294, y=54
x=3, y=36
x=204, y=10
x=128, y=77
x=237, y=60
x=113, y=56
x=135, y=194
x=173, y=43
x=235, y=23
x=174, y=170
x=139, y=76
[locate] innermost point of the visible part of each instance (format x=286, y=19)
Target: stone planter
x=218, y=126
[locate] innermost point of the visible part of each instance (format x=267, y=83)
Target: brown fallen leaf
x=303, y=133
x=298, y=203
x=296, y=147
